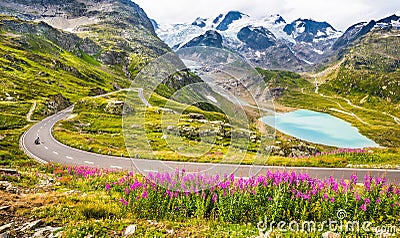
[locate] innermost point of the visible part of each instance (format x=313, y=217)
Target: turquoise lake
x=320, y=128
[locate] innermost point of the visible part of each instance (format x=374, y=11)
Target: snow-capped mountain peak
x=360, y=29
x=308, y=30
x=276, y=19
x=269, y=41
x=304, y=41
x=200, y=22
x=229, y=18
x=391, y=21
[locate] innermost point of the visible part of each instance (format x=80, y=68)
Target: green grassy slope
x=34, y=73
x=34, y=68
x=371, y=67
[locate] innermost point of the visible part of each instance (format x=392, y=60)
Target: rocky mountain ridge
x=271, y=42
x=267, y=42
x=118, y=28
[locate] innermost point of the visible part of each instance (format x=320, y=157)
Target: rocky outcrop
x=97, y=91
x=35, y=227
x=217, y=129
x=7, y=186
x=210, y=38
x=56, y=103
x=277, y=92
x=112, y=29
x=293, y=150
x=68, y=41
x=257, y=38
x=16, y=224
x=196, y=116
x=118, y=108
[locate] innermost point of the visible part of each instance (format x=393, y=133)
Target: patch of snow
x=177, y=34
x=320, y=33
x=211, y=98
x=308, y=62
x=381, y=25
x=259, y=54
x=301, y=29
x=71, y=30
x=320, y=52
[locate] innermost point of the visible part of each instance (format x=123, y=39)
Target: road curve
x=50, y=150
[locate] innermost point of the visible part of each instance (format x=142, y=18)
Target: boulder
x=5, y=235
x=46, y=232
x=196, y=116
x=130, y=230
x=7, y=186
x=10, y=99
x=30, y=225
x=170, y=232
x=6, y=227
x=4, y=208
x=117, y=107
x=97, y=91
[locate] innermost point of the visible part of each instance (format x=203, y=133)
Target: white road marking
x=41, y=127
x=46, y=147
x=38, y=131
x=151, y=171
x=69, y=157
x=88, y=162
x=55, y=152
x=116, y=167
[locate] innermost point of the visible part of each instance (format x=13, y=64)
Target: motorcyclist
x=37, y=141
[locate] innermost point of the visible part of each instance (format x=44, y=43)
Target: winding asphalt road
x=50, y=150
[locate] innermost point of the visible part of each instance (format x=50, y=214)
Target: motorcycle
x=37, y=141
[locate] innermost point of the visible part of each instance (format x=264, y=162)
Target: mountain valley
x=93, y=77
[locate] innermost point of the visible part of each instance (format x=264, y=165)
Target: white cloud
x=340, y=13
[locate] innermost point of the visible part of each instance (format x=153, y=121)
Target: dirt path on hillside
x=28, y=116
x=396, y=119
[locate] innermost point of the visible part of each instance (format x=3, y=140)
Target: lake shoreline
x=319, y=128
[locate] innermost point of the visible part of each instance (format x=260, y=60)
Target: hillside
x=54, y=53
x=120, y=27
x=89, y=54
x=39, y=76
x=370, y=67
x=361, y=87
x=37, y=64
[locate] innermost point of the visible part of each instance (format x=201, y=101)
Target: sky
x=339, y=13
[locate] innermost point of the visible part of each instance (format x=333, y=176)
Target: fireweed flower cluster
x=82, y=177
x=278, y=195
x=341, y=151
x=80, y=171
